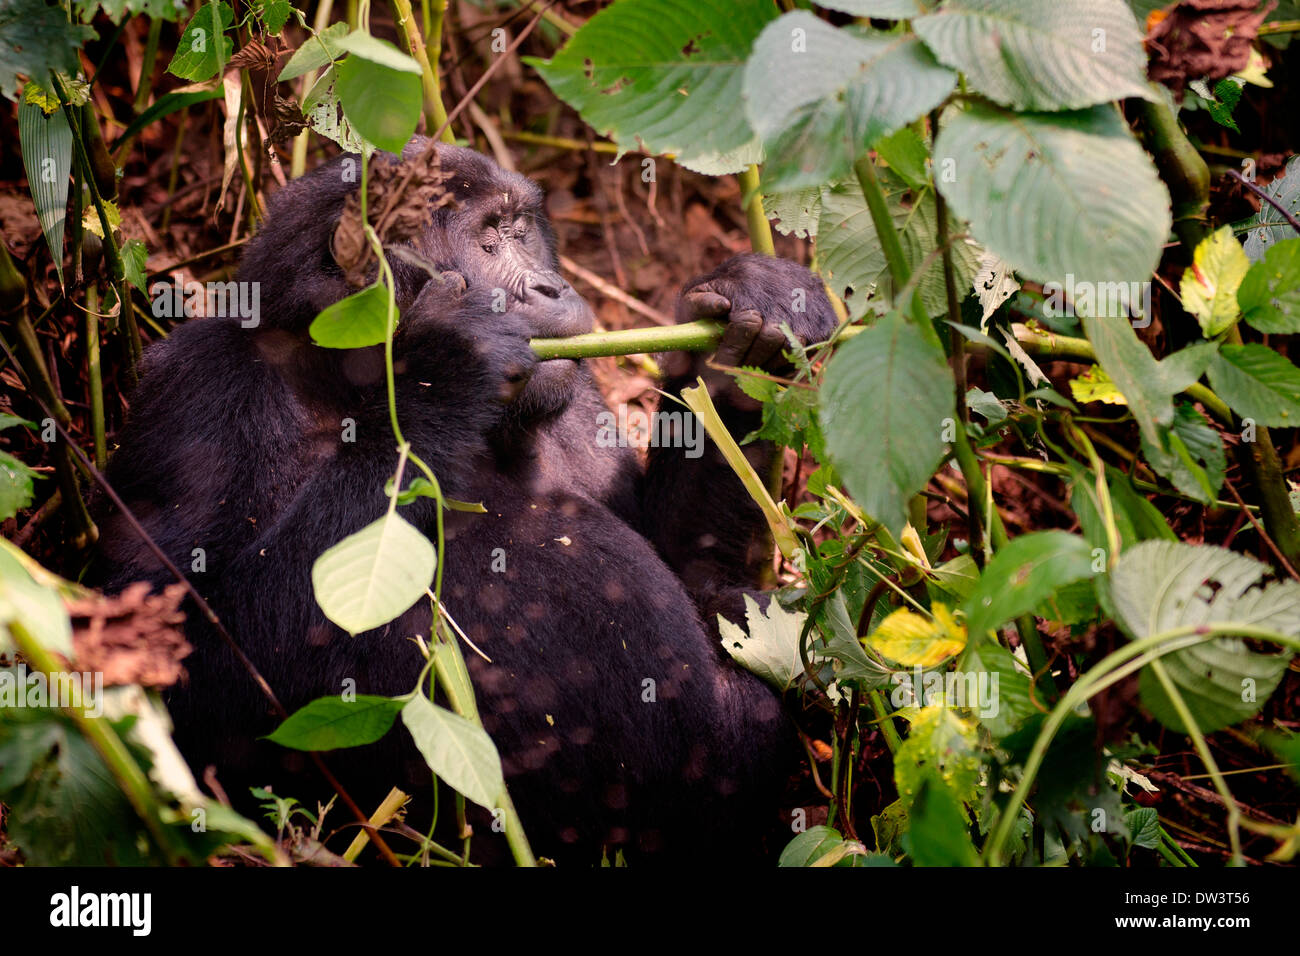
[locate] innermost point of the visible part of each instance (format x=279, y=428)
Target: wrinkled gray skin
x=619, y=718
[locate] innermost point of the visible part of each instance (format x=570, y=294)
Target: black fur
x=234, y=447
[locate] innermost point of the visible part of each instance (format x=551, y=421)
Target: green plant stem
x=1111, y=669
x=147, y=65
x=760, y=231
x=563, y=142
x=94, y=376
x=435, y=114
x=1203, y=751
x=298, y=164
x=704, y=334
x=892, y=740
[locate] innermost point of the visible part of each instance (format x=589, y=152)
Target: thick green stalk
x=94, y=376
x=760, y=230
x=435, y=114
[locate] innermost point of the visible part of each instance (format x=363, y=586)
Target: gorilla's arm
x=695, y=510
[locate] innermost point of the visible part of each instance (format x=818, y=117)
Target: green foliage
x=633, y=58
x=203, y=48
x=35, y=38
x=332, y=722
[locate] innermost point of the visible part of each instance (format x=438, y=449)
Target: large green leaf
x=852, y=258
x=328, y=723
x=818, y=96
x=374, y=575
x=1146, y=386
x=886, y=400
x=15, y=485
x=36, y=37
x=1041, y=54
x=381, y=101
x=1257, y=383
x=355, y=322
x=1057, y=195
x=882, y=9
x=1269, y=296
x=1192, y=458
x=204, y=47
x=47, y=157
x=1024, y=574
x=665, y=76
x=459, y=752
x=1159, y=586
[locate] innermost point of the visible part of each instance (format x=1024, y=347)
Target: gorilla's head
x=494, y=235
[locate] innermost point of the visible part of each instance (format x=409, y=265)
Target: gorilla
x=589, y=579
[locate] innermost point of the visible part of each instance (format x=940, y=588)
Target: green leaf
x=1024, y=574
x=1159, y=586
x=382, y=103
x=1209, y=284
x=274, y=14
x=197, y=56
x=1048, y=55
x=47, y=157
x=770, y=649
x=816, y=95
x=315, y=52
x=1258, y=384
x=853, y=261
x=35, y=38
x=373, y=576
x=886, y=398
x=1194, y=461
x=1023, y=183
x=908, y=156
x=135, y=258
x=1268, y=226
x=810, y=846
x=1143, y=827
x=666, y=74
x=328, y=723
x=1134, y=370
x=940, y=746
x=380, y=52
x=115, y=10
x=36, y=607
x=1004, y=696
x=358, y=321
x=938, y=833
x=15, y=485
x=459, y=752
x=1269, y=295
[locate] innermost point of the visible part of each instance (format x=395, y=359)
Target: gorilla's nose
x=549, y=284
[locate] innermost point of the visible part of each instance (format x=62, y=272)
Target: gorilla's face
x=498, y=238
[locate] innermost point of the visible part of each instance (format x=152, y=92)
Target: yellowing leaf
x=1209, y=286
x=1095, y=385
x=1255, y=70
x=90, y=218
x=914, y=640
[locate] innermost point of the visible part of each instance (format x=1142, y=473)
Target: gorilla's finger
x=453, y=282
x=738, y=337
x=767, y=344
x=704, y=304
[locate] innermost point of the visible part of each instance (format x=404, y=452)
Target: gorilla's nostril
x=549, y=284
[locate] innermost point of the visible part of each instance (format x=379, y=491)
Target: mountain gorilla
x=591, y=583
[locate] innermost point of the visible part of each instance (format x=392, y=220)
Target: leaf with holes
x=1057, y=195
x=654, y=75
x=1160, y=586
x=1057, y=55
x=816, y=95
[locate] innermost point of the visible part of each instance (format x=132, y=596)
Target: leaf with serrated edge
x=886, y=396
x=1049, y=55
x=1159, y=586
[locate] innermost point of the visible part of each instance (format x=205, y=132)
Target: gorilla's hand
x=756, y=295
x=452, y=334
